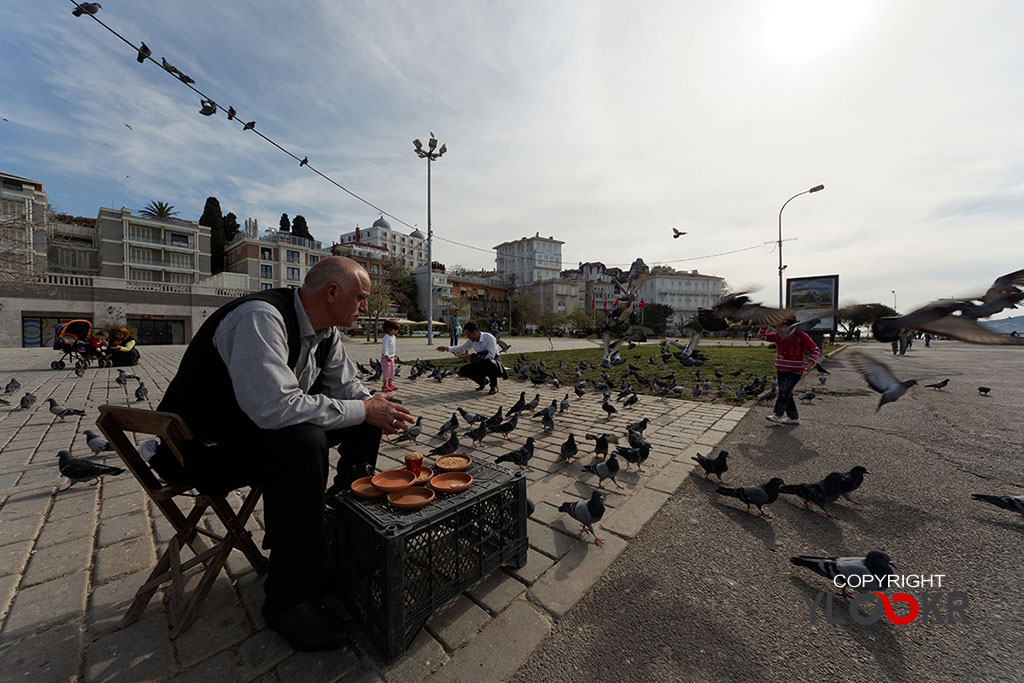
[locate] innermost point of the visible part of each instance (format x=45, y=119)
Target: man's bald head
x=335, y=292
x=339, y=269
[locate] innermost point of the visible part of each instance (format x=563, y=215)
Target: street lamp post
x=430, y=155
x=816, y=188
x=893, y=300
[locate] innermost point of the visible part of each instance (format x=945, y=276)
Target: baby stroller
x=71, y=339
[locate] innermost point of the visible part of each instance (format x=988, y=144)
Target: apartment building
x=165, y=250
x=560, y=295
x=273, y=258
x=23, y=221
x=684, y=292
x=528, y=260
x=410, y=248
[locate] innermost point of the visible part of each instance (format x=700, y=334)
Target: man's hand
x=442, y=349
x=808, y=365
x=392, y=418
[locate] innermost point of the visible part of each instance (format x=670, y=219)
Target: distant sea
x=1006, y=325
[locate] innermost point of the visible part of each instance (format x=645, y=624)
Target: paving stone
x=46, y=603
x=14, y=556
x=250, y=588
x=500, y=649
x=116, y=529
x=51, y=655
x=109, y=602
x=562, y=587
x=76, y=503
x=536, y=564
x=134, y=502
x=422, y=658
x=711, y=437
x=629, y=518
x=64, y=530
x=122, y=558
x=544, y=512
x=140, y=652
x=57, y=560
x=496, y=591
x=220, y=623
x=456, y=622
x=260, y=653
x=7, y=586
x=21, y=505
x=222, y=668
x=547, y=540
x=670, y=477
x=318, y=667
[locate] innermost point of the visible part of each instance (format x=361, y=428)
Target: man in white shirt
x=485, y=364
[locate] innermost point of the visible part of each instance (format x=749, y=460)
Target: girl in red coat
x=790, y=365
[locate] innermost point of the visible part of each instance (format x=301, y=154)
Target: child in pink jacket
x=790, y=365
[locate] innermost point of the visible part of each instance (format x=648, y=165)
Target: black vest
x=201, y=391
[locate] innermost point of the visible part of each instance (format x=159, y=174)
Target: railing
x=163, y=242
x=167, y=287
x=63, y=280
x=168, y=263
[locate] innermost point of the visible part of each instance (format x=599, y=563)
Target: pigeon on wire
x=62, y=411
x=880, y=378
x=821, y=493
x=231, y=113
x=478, y=433
x=470, y=418
x=144, y=52
x=141, y=392
x=97, y=444
x=802, y=326
x=569, y=449
x=448, y=447
x=717, y=466
x=851, y=481
x=249, y=126
x=1015, y=503
x=12, y=386
x=412, y=433
x=520, y=456
x=305, y=160
x=185, y=78
x=77, y=470
x=586, y=512
x=984, y=390
x=451, y=425
x=209, y=107
x=938, y=385
x=738, y=308
x=123, y=377
x=86, y=8
x=870, y=569
x=168, y=67
x=27, y=400
x=755, y=495
x=605, y=470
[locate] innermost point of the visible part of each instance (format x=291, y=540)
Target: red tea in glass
x=414, y=462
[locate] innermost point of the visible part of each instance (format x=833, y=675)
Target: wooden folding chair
x=114, y=422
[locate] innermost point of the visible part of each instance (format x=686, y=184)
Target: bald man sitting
x=267, y=387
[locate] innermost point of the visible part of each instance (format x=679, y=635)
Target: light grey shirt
x=487, y=343
x=253, y=343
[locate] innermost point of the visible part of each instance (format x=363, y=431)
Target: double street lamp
x=430, y=155
x=816, y=188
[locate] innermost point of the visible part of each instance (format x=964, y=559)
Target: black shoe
x=493, y=390
x=480, y=387
x=308, y=626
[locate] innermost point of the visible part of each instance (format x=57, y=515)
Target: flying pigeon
x=209, y=107
x=144, y=52
x=520, y=456
x=880, y=378
x=939, y=385
x=569, y=448
x=851, y=481
x=448, y=447
x=141, y=392
x=676, y=234
x=870, y=569
x=97, y=444
x=586, y=512
x=1015, y=503
x=755, y=495
x=87, y=8
x=451, y=425
x=77, y=470
x=802, y=326
x=12, y=386
x=62, y=411
x=821, y=493
x=738, y=308
x=716, y=466
x=412, y=433
x=605, y=470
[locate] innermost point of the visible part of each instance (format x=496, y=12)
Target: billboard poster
x=816, y=296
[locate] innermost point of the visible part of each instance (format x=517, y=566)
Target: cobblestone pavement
x=70, y=562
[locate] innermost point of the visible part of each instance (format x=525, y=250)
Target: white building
x=411, y=248
x=528, y=260
x=439, y=288
x=684, y=292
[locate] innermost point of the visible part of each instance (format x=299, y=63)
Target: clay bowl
x=425, y=475
x=451, y=482
x=364, y=488
x=453, y=463
x=393, y=480
x=412, y=498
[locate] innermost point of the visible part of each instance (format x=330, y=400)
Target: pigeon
x=984, y=390
x=123, y=377
x=634, y=455
x=822, y=378
x=478, y=433
x=144, y=52
x=530, y=507
x=550, y=410
x=87, y=8
x=249, y=126
x=231, y=113
x=27, y=400
x=716, y=466
x=821, y=370
x=168, y=67
x=871, y=569
x=564, y=404
x=851, y=481
x=185, y=78
x=141, y=392
x=938, y=385
x=12, y=386
x=548, y=422
x=1015, y=503
x=518, y=405
x=631, y=401
x=636, y=440
x=451, y=425
x=880, y=378
x=531, y=405
x=770, y=396
x=77, y=470
x=494, y=420
x=755, y=495
x=605, y=470
x=505, y=428
x=821, y=493
x=586, y=512
x=738, y=308
x=470, y=418
x=520, y=456
x=802, y=326
x=97, y=444
x=578, y=390
x=601, y=447
x=448, y=447
x=79, y=370
x=412, y=433
x=608, y=408
x=940, y=319
x=809, y=395
x=209, y=107
x=569, y=448
x=305, y=160
x=676, y=234
x=62, y=411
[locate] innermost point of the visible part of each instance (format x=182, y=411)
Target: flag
x=593, y=303
x=616, y=304
x=642, y=303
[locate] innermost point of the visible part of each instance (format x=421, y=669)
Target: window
x=267, y=271
x=293, y=256
x=177, y=240
x=266, y=285
x=313, y=259
x=293, y=273
x=266, y=255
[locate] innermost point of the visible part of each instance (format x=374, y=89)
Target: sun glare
x=800, y=31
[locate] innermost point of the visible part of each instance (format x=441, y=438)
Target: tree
x=379, y=301
x=656, y=317
x=231, y=227
x=525, y=308
x=299, y=227
x=458, y=270
x=285, y=225
x=581, y=321
x=213, y=219
x=859, y=315
x=662, y=270
x=158, y=209
x=403, y=286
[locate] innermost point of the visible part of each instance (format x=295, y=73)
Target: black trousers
x=482, y=372
x=785, y=402
x=291, y=465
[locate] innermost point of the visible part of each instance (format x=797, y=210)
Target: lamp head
x=817, y=188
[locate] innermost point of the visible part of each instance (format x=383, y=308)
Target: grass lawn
x=759, y=360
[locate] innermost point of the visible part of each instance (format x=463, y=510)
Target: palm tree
x=158, y=210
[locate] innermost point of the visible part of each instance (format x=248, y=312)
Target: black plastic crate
x=396, y=567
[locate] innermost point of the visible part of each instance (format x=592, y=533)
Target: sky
x=604, y=124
